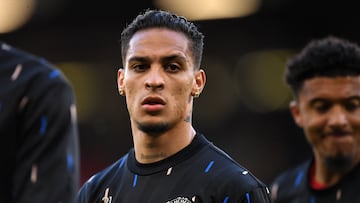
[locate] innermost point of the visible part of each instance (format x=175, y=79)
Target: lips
x=338, y=133
x=153, y=101
x=153, y=104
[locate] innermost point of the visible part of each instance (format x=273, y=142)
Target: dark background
x=243, y=108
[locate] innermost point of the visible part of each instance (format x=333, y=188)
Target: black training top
x=293, y=186
x=200, y=172
x=39, y=150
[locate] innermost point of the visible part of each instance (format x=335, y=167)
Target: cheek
x=132, y=86
x=131, y=96
x=313, y=127
x=182, y=90
x=355, y=124
x=354, y=120
x=181, y=97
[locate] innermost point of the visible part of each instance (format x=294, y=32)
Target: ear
x=295, y=112
x=200, y=80
x=120, y=81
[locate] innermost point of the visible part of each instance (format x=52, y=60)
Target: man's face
x=159, y=80
x=328, y=110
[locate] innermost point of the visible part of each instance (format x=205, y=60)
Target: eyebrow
x=163, y=59
x=139, y=59
x=173, y=58
x=317, y=99
x=353, y=97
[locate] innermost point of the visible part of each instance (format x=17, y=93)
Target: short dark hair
x=330, y=57
x=164, y=19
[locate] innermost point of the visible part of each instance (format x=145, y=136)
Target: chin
x=153, y=128
x=339, y=161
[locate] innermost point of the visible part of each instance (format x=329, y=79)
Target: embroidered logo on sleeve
x=107, y=198
x=180, y=200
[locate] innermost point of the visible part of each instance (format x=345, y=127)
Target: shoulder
x=100, y=179
x=239, y=182
x=227, y=172
x=107, y=173
x=293, y=175
x=24, y=67
x=290, y=181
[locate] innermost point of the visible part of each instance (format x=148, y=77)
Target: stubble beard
x=339, y=163
x=153, y=129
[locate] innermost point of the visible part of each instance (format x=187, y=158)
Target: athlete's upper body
x=39, y=151
x=325, y=80
x=170, y=162
x=200, y=173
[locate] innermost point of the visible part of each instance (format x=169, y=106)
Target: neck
x=322, y=176
x=154, y=148
x=326, y=175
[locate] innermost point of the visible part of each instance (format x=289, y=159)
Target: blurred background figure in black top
x=39, y=150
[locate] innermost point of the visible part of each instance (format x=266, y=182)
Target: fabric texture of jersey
x=293, y=186
x=39, y=151
x=200, y=172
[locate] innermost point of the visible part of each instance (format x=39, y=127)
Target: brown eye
x=173, y=68
x=352, y=105
x=139, y=67
x=321, y=106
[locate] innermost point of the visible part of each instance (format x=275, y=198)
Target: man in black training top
x=171, y=161
x=325, y=80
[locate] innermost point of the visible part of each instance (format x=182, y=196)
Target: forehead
x=331, y=88
x=154, y=40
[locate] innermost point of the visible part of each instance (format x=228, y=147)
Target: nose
x=338, y=117
x=155, y=78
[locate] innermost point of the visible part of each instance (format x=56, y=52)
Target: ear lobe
x=196, y=93
x=120, y=81
x=295, y=112
x=200, y=80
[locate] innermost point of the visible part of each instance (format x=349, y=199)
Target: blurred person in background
x=171, y=161
x=325, y=80
x=40, y=149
